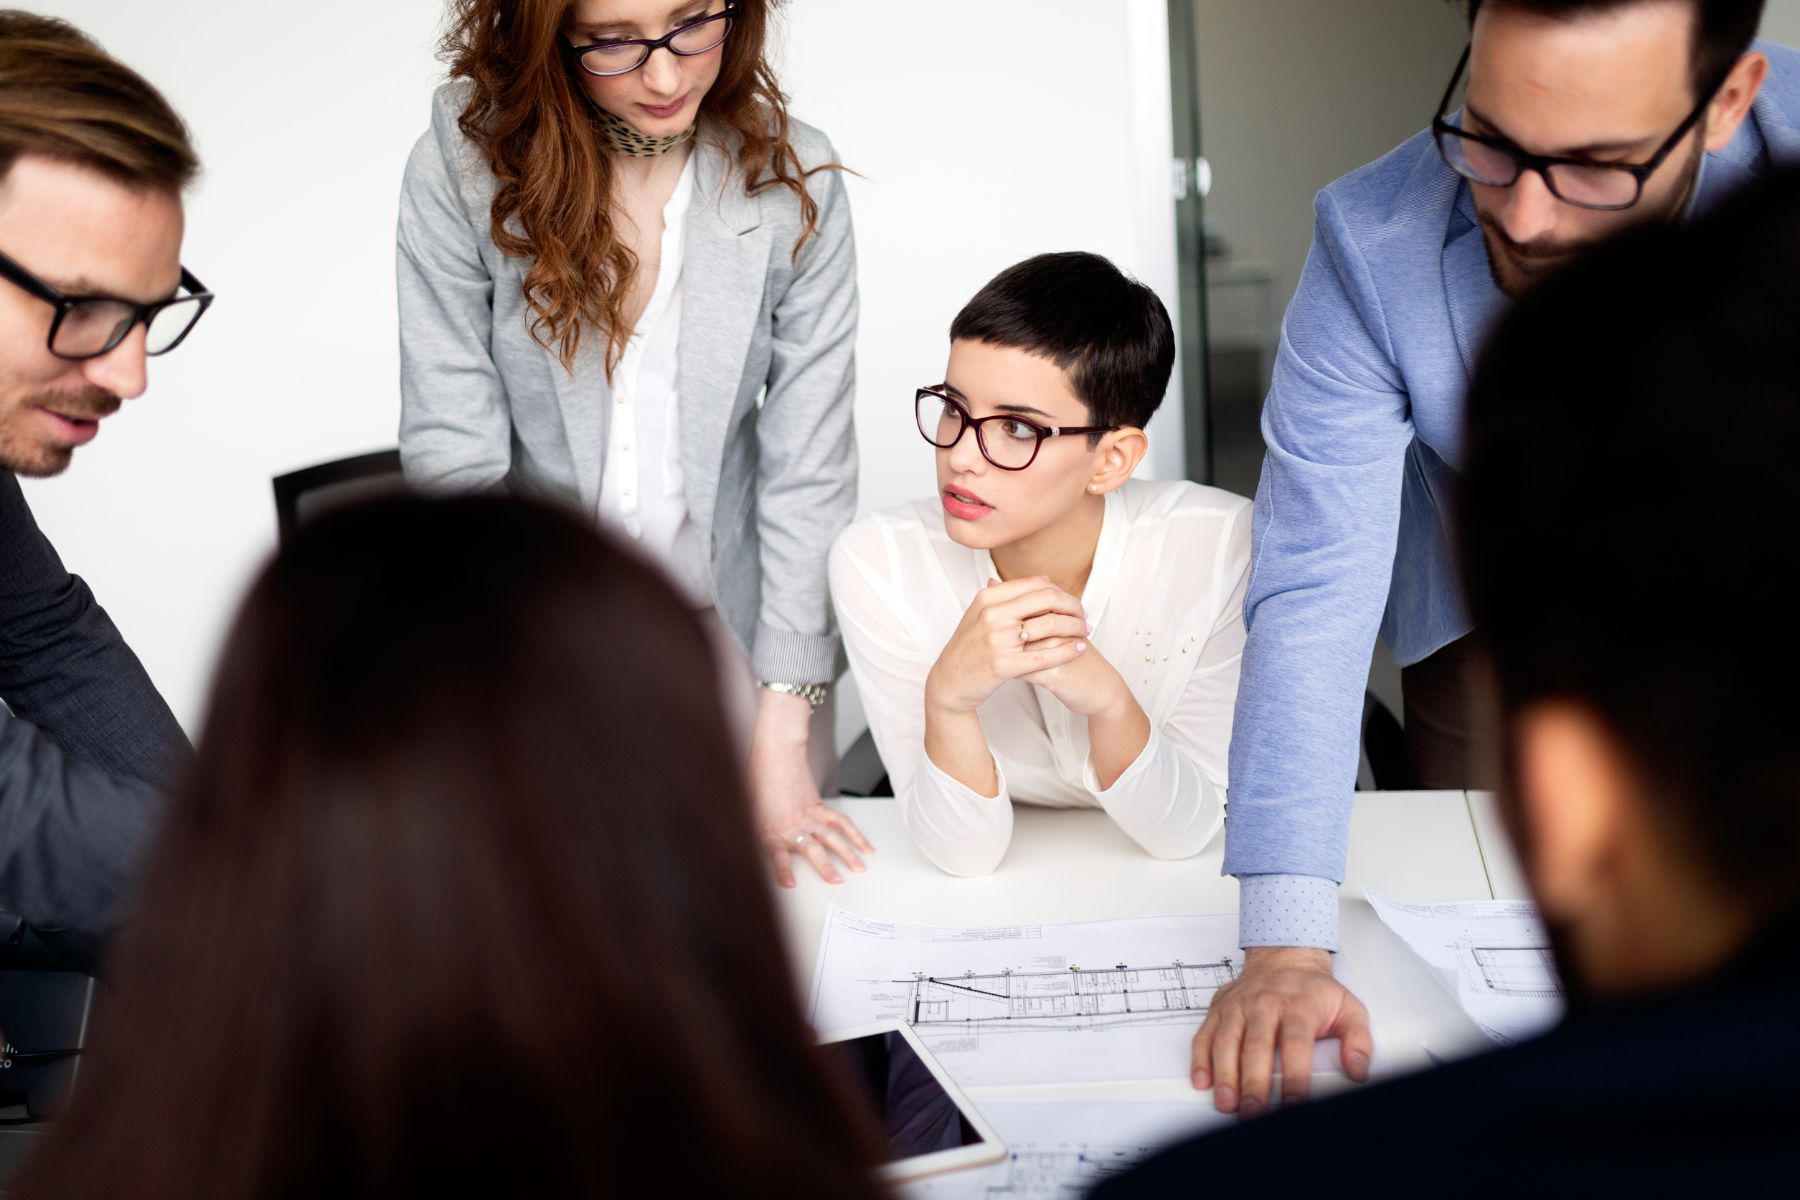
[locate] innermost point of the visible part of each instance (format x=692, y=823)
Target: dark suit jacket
x=89, y=744
x=1696, y=1088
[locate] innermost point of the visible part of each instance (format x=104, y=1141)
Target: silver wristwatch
x=812, y=693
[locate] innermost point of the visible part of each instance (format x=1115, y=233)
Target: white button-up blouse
x=642, y=491
x=1165, y=595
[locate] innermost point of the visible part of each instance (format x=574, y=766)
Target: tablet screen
x=918, y=1116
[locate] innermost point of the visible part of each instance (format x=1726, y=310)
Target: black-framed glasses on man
x=621, y=56
x=89, y=326
x=1496, y=162
x=943, y=419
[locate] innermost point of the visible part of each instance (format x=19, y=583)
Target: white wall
x=303, y=118
x=979, y=145
x=981, y=137
x=1781, y=22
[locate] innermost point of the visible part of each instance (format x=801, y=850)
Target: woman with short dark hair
x=462, y=897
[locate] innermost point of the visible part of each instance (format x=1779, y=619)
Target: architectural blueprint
x=1493, y=955
x=1058, y=1150
x=1095, y=1001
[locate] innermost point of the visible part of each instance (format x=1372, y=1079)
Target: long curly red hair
x=537, y=130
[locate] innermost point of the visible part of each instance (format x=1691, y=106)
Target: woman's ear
x=1116, y=457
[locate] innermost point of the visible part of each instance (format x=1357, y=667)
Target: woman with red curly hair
x=627, y=279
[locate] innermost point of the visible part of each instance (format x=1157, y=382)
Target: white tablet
x=931, y=1127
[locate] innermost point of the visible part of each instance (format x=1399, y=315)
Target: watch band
x=812, y=693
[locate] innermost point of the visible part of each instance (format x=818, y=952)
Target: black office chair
x=303, y=494
x=861, y=772
x=1384, y=767
x=47, y=997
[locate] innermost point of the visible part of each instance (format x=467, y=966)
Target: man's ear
x=1735, y=96
x=1573, y=791
x=1116, y=457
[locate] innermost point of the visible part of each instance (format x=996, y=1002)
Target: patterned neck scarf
x=621, y=138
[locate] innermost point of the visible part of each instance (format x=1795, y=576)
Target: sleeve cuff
x=961, y=831
x=783, y=656
x=1287, y=910
x=955, y=786
x=1091, y=778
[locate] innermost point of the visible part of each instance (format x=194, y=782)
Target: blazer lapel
x=583, y=416
x=1472, y=300
x=723, y=278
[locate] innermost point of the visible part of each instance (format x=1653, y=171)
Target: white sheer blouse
x=1166, y=596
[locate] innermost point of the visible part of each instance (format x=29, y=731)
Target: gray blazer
x=766, y=361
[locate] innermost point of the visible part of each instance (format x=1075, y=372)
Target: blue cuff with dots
x=1287, y=910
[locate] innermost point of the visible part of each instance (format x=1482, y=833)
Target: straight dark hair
x=1630, y=519
x=1723, y=29
x=461, y=898
x=1108, y=333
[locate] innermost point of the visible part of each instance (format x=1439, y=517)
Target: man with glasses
x=1652, y=767
x=92, y=165
x=1580, y=118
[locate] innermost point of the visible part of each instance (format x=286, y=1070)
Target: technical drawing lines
x=1517, y=970
x=1071, y=999
x=1061, y=1174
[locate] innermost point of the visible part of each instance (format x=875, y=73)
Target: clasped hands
x=1027, y=629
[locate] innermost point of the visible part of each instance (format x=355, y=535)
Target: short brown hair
x=64, y=97
x=1723, y=29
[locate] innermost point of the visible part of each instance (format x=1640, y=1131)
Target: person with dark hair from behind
x=1047, y=629
x=399, y=941
x=1631, y=437
x=93, y=162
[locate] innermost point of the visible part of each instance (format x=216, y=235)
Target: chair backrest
x=303, y=494
x=861, y=771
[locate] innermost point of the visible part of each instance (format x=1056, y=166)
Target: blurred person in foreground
x=1631, y=435
x=399, y=942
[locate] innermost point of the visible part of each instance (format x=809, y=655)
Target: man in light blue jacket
x=1581, y=117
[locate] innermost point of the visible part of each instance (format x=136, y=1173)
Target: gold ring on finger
x=1023, y=636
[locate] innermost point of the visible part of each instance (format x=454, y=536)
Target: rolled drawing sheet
x=1492, y=956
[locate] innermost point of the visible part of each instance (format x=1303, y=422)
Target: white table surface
x=1505, y=876
x=1076, y=865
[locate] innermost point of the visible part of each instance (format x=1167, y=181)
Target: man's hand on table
x=1287, y=998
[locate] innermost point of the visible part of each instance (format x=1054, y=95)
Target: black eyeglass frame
x=142, y=314
x=651, y=45
x=971, y=421
x=1541, y=163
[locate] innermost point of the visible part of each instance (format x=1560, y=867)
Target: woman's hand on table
x=791, y=820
